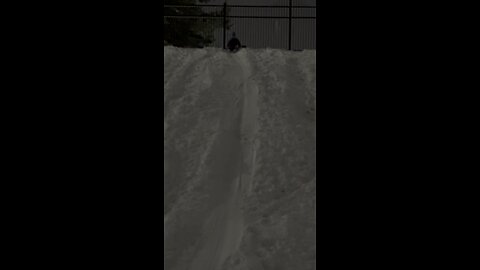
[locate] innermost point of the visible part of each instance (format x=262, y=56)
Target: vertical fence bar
x=224, y=24
x=290, y=25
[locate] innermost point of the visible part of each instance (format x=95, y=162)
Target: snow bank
x=239, y=151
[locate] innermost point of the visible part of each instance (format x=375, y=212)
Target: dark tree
x=189, y=32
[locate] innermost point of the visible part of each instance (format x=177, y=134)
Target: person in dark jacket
x=234, y=43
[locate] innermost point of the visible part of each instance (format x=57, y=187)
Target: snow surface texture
x=239, y=151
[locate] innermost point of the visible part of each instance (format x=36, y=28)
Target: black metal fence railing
x=284, y=27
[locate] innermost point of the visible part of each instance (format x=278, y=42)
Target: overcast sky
x=273, y=33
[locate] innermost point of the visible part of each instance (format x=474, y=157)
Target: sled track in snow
x=237, y=134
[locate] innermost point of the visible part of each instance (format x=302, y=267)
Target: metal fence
x=284, y=27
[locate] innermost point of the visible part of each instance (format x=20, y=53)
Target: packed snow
x=239, y=159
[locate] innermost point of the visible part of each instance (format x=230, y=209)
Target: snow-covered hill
x=239, y=151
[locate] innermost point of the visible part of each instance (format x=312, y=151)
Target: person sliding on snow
x=234, y=44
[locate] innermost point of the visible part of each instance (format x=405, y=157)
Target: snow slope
x=239, y=151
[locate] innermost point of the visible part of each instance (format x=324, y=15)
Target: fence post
x=224, y=24
x=290, y=25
